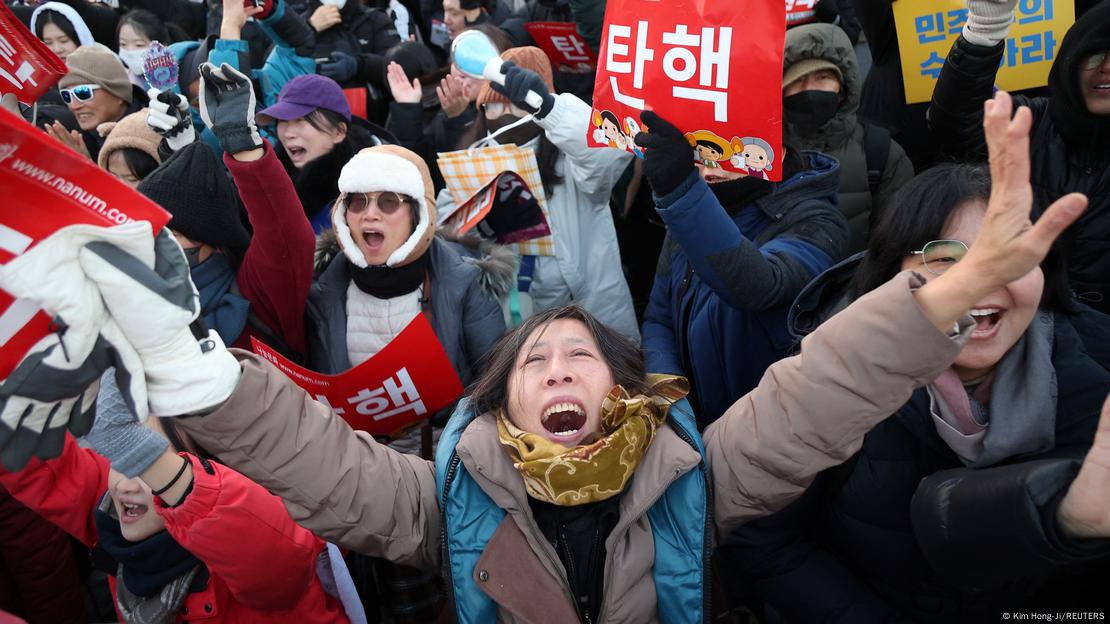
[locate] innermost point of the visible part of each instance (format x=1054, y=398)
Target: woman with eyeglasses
x=96, y=90
x=951, y=511
x=1071, y=132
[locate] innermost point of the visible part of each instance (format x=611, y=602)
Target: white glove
x=988, y=21
x=154, y=305
x=168, y=115
x=54, y=387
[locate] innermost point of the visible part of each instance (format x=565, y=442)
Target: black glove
x=227, y=106
x=341, y=68
x=518, y=82
x=668, y=157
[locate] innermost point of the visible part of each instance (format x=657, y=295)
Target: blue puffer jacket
x=681, y=527
x=726, y=278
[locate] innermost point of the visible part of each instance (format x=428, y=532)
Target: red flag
x=27, y=67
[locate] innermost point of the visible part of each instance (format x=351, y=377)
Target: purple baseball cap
x=304, y=94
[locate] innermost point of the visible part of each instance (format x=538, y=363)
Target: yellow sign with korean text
x=927, y=29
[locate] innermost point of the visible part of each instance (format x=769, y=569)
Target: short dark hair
x=138, y=162
x=626, y=361
x=147, y=24
x=917, y=214
x=59, y=20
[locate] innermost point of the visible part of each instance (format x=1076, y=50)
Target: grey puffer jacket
x=466, y=315
x=842, y=137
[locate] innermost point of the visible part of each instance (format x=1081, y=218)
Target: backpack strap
x=876, y=149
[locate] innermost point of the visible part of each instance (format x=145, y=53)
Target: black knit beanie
x=193, y=187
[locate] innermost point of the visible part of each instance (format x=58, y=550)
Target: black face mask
x=518, y=135
x=809, y=110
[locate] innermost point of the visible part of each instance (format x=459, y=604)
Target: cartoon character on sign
x=608, y=130
x=756, y=158
x=710, y=149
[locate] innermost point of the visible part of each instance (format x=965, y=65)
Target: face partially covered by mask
x=133, y=59
x=809, y=110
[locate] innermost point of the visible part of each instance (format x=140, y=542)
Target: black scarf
x=1079, y=127
x=385, y=282
x=317, y=183
x=146, y=566
x=736, y=194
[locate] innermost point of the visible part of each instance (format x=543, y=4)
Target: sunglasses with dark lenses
x=82, y=93
x=941, y=255
x=1095, y=59
x=388, y=202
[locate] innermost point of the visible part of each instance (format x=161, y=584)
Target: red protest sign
x=562, y=44
x=27, y=67
x=714, y=69
x=46, y=187
x=800, y=12
x=405, y=383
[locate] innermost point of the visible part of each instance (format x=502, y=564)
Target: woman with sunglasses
x=1071, y=134
x=948, y=512
x=97, y=90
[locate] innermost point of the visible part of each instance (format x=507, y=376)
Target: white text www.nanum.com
x=69, y=189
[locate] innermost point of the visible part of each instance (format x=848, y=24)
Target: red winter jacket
x=276, y=271
x=262, y=565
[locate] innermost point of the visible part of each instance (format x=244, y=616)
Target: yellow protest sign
x=927, y=28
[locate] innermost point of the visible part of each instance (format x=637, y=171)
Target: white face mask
x=337, y=3
x=133, y=59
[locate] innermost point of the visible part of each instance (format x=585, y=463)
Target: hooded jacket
x=726, y=277
x=842, y=137
x=905, y=530
x=804, y=416
x=1069, y=146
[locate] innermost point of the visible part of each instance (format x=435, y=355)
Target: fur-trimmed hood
x=496, y=262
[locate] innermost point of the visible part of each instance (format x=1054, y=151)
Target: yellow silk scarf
x=598, y=469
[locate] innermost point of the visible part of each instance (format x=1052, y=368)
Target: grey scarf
x=1021, y=416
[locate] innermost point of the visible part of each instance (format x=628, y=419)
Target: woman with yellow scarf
x=571, y=486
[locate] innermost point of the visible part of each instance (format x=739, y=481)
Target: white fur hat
x=387, y=168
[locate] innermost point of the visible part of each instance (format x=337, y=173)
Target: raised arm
x=811, y=411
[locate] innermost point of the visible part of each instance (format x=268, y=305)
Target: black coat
x=365, y=33
x=904, y=531
x=1069, y=147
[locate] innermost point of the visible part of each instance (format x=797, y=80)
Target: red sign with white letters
x=800, y=12
x=403, y=384
x=46, y=187
x=562, y=44
x=713, y=69
x=27, y=67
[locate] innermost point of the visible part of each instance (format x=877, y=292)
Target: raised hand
x=403, y=91
x=519, y=82
x=668, y=157
x=324, y=17
x=1085, y=511
x=235, y=15
x=1009, y=245
x=70, y=138
x=168, y=115
x=452, y=96
x=227, y=105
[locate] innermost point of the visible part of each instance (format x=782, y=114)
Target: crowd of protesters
x=873, y=391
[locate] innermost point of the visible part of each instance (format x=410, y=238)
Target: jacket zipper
x=707, y=535
x=452, y=468
x=564, y=544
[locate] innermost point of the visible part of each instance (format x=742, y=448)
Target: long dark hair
x=59, y=20
x=547, y=156
x=626, y=361
x=917, y=214
x=138, y=162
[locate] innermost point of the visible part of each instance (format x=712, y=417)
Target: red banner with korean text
x=46, y=186
x=561, y=42
x=800, y=12
x=714, y=69
x=404, y=384
x=27, y=67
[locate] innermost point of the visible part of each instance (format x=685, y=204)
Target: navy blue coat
x=726, y=278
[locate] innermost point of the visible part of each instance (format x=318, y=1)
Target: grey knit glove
x=988, y=21
x=117, y=435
